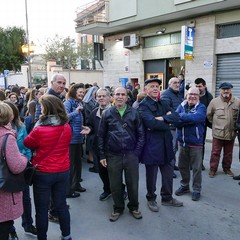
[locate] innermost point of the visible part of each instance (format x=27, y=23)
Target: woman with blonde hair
x=11, y=206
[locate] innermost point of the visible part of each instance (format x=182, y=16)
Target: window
x=229, y=30
x=161, y=40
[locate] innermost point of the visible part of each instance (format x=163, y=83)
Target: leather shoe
x=80, y=189
x=236, y=177
x=73, y=195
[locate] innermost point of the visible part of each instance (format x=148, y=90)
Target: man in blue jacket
x=173, y=97
x=190, y=135
x=158, y=149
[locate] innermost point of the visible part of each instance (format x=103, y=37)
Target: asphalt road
x=215, y=217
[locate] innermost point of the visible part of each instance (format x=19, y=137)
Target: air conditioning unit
x=131, y=40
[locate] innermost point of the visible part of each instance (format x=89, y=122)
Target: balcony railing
x=96, y=11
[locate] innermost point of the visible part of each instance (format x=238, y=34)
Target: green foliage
x=66, y=52
x=62, y=50
x=11, y=41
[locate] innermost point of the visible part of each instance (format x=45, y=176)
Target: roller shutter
x=228, y=70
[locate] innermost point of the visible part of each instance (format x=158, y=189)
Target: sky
x=46, y=18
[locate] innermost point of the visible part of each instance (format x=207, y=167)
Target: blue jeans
x=27, y=220
x=46, y=185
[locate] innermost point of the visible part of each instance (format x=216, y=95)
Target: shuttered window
x=228, y=70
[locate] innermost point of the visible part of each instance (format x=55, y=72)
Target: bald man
x=120, y=142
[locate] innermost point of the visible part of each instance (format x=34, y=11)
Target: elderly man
x=158, y=149
x=222, y=112
x=191, y=129
x=174, y=99
x=58, y=84
x=120, y=141
x=103, y=99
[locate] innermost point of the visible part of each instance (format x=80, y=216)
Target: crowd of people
x=117, y=128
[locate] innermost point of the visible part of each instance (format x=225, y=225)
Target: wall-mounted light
x=161, y=31
x=118, y=40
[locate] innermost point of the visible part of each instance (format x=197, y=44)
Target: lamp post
x=28, y=49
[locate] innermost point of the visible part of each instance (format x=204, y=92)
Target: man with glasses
x=120, y=142
x=222, y=112
x=190, y=129
x=174, y=99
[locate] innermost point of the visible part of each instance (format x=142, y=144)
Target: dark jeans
x=217, y=146
x=75, y=153
x=27, y=220
x=191, y=157
x=5, y=229
x=167, y=181
x=46, y=185
x=129, y=164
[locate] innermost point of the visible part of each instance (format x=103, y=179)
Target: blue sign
x=6, y=73
x=123, y=81
x=187, y=40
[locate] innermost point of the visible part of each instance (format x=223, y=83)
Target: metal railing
x=95, y=11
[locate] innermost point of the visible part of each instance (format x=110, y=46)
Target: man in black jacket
x=120, y=142
x=205, y=98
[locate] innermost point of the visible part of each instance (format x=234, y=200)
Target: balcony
x=93, y=12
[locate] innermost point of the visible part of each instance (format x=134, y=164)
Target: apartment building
x=143, y=39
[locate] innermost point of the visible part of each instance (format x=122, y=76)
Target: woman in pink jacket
x=11, y=206
x=50, y=140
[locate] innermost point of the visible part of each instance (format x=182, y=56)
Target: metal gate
x=228, y=70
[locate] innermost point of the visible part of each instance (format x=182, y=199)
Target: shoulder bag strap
x=3, y=149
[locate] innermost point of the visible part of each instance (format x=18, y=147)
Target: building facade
x=142, y=39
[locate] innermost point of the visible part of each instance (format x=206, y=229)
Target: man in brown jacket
x=222, y=112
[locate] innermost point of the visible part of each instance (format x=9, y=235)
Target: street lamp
x=28, y=49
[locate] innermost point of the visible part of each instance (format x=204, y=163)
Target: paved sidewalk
x=215, y=217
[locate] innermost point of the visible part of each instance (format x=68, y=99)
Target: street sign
x=6, y=73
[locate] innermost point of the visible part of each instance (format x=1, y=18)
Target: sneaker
x=114, y=216
x=53, y=219
x=196, y=196
x=153, y=206
x=173, y=203
x=182, y=190
x=31, y=230
x=212, y=173
x=136, y=214
x=13, y=236
x=104, y=196
x=228, y=172
x=236, y=177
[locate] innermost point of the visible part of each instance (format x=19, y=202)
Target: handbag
x=9, y=182
x=29, y=173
